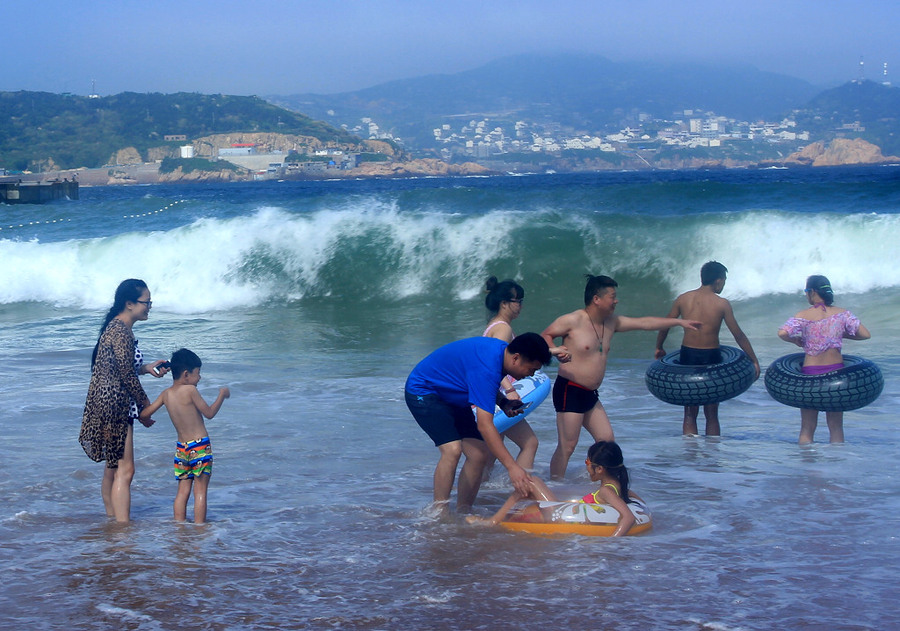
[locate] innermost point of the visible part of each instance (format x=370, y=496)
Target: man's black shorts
x=568, y=396
x=699, y=356
x=442, y=422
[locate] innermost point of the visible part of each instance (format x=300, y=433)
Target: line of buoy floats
x=52, y=221
x=33, y=223
x=154, y=212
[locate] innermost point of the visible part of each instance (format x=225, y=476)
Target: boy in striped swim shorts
x=193, y=451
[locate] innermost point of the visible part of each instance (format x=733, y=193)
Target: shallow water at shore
x=321, y=486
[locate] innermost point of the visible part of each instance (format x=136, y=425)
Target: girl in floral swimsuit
x=820, y=331
x=604, y=464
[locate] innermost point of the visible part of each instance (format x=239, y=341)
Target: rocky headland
x=131, y=169
x=224, y=175
x=839, y=152
x=426, y=167
x=416, y=168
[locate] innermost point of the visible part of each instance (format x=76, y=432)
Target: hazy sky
x=281, y=47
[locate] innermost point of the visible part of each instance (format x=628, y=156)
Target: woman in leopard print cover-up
x=115, y=396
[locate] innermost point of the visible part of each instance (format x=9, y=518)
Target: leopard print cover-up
x=113, y=393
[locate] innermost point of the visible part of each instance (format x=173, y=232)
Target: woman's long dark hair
x=501, y=291
x=128, y=291
x=822, y=286
x=608, y=455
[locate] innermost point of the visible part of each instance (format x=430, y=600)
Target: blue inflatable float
x=532, y=390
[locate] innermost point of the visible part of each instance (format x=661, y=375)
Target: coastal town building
x=488, y=137
x=244, y=154
x=279, y=163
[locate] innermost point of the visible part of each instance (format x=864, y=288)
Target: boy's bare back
x=707, y=307
x=179, y=400
x=187, y=408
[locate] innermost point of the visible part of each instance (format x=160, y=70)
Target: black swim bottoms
x=442, y=422
x=568, y=396
x=699, y=356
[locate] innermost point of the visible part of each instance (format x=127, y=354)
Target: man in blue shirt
x=441, y=391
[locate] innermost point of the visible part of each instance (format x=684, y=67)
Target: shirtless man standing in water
x=586, y=337
x=702, y=347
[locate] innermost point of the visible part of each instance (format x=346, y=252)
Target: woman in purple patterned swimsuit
x=819, y=331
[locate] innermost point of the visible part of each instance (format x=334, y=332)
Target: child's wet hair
x=608, y=454
x=184, y=361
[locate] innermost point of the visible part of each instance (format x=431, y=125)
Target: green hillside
x=76, y=131
x=874, y=106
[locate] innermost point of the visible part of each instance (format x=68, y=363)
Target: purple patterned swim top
x=817, y=336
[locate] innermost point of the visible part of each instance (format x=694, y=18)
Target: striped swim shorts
x=193, y=459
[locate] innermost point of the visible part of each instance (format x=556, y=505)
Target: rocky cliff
x=412, y=168
x=840, y=151
x=128, y=155
x=225, y=175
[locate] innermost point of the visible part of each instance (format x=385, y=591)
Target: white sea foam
x=129, y=615
x=773, y=252
x=215, y=264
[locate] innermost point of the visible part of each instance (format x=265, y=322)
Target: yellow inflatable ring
x=579, y=518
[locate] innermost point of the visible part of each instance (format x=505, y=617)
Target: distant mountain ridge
x=586, y=92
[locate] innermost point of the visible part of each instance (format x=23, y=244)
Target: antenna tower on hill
x=884, y=77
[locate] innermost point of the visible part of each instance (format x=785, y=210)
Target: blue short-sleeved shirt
x=465, y=372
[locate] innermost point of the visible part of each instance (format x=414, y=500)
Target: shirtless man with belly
x=586, y=338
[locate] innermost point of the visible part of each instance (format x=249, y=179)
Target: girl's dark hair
x=129, y=290
x=608, y=455
x=822, y=286
x=500, y=291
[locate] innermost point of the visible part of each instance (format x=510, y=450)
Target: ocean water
x=312, y=301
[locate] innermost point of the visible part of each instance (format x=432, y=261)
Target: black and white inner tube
x=679, y=384
x=855, y=385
